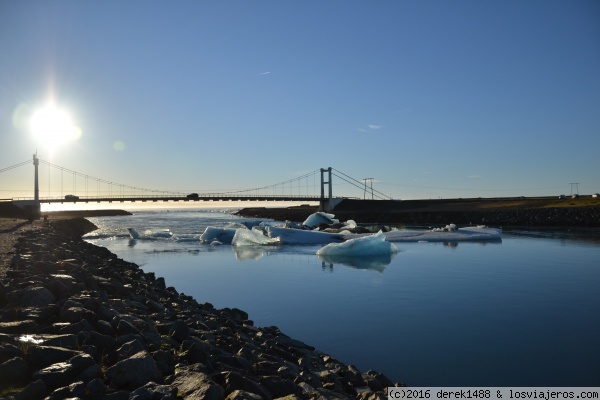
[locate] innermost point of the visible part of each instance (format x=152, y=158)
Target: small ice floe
x=30, y=339
x=133, y=233
x=319, y=218
x=150, y=234
x=363, y=246
x=467, y=234
x=215, y=243
x=254, y=237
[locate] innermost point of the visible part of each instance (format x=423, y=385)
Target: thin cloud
x=371, y=127
x=265, y=73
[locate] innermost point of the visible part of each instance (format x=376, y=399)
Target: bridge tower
x=325, y=203
x=35, y=208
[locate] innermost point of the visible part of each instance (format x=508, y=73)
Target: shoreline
x=101, y=327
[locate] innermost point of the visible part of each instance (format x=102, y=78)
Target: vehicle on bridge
x=71, y=197
x=192, y=196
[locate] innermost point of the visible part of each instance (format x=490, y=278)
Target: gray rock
x=90, y=373
x=241, y=395
x=126, y=328
x=133, y=372
x=235, y=381
x=9, y=350
x=68, y=341
x=96, y=388
x=74, y=314
x=179, y=331
x=31, y=297
x=14, y=372
x=104, y=343
x=19, y=326
x=376, y=381
x=77, y=327
x=104, y=327
x=234, y=362
x=106, y=313
x=278, y=387
x=34, y=391
x=193, y=385
x=130, y=348
x=154, y=391
x=196, y=351
x=43, y=356
x=60, y=285
x=63, y=373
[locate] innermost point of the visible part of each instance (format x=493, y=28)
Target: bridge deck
x=111, y=199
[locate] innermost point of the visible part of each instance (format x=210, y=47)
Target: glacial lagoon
x=521, y=311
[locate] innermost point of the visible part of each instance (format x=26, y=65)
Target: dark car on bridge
x=192, y=196
x=71, y=197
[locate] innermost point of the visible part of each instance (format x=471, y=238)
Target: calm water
x=521, y=312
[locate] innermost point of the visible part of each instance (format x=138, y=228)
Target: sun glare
x=53, y=127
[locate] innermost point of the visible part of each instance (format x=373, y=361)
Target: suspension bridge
x=84, y=188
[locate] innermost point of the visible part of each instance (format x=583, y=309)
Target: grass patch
x=578, y=202
x=540, y=203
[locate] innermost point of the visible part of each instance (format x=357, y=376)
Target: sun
x=53, y=127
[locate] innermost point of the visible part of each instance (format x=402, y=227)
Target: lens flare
x=119, y=145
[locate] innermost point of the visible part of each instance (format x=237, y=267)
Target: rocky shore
x=78, y=322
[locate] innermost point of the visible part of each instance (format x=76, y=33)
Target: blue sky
x=430, y=98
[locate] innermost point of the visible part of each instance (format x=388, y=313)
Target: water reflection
x=454, y=244
x=245, y=253
x=375, y=263
x=575, y=234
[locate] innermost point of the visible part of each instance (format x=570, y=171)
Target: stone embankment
x=538, y=217
x=78, y=322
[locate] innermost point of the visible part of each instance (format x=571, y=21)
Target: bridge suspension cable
x=275, y=185
x=360, y=185
x=121, y=187
x=15, y=166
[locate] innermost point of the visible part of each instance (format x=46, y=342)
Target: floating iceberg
x=254, y=237
x=150, y=234
x=223, y=235
x=363, y=246
x=301, y=236
x=320, y=218
x=452, y=234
